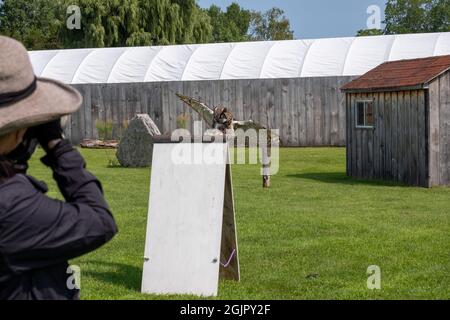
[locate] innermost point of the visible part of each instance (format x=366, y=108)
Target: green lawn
x=311, y=236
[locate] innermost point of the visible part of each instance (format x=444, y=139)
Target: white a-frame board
x=191, y=230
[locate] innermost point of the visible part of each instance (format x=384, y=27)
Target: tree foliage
x=369, y=32
x=231, y=25
x=163, y=22
x=271, y=25
x=105, y=23
x=112, y=23
x=237, y=24
x=41, y=24
x=415, y=16
x=35, y=23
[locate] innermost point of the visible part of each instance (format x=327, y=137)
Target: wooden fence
x=307, y=111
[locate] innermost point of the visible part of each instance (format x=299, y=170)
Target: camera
x=19, y=157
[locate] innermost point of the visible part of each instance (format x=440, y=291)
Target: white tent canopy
x=245, y=60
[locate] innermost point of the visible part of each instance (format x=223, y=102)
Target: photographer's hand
x=49, y=134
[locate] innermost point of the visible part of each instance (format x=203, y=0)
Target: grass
x=311, y=236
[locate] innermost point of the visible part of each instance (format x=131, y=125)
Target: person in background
x=38, y=235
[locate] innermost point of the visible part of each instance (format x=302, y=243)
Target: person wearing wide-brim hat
x=38, y=235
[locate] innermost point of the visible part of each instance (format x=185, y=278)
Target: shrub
x=183, y=121
x=104, y=129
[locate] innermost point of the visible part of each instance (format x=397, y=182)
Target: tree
x=113, y=23
x=201, y=31
x=34, y=23
x=415, y=16
x=163, y=22
x=231, y=25
x=195, y=23
x=107, y=23
x=41, y=24
x=439, y=16
x=271, y=25
x=369, y=32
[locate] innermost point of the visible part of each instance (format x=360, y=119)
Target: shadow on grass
x=342, y=178
x=126, y=276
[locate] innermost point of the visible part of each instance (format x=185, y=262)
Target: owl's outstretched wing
x=202, y=109
x=246, y=125
x=250, y=124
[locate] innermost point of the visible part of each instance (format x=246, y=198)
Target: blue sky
x=314, y=18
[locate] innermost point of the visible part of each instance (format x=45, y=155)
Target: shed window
x=364, y=114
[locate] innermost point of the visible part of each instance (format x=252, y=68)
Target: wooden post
x=266, y=151
x=266, y=168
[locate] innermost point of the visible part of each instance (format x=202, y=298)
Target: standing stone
x=136, y=146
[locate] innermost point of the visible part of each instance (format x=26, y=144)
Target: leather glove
x=47, y=132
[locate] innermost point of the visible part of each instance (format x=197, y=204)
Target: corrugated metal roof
x=401, y=74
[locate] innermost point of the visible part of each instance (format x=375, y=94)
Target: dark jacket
x=38, y=235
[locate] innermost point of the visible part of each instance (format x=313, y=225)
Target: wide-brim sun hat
x=26, y=100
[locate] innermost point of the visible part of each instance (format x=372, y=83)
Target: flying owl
x=219, y=117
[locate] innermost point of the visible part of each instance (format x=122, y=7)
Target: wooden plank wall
x=444, y=118
x=397, y=147
x=307, y=111
x=440, y=130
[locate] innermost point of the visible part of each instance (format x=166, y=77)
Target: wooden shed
x=398, y=122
